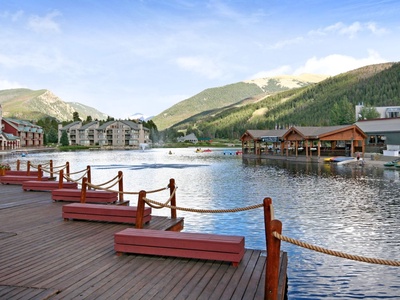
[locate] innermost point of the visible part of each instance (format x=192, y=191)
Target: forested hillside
x=233, y=94
x=330, y=102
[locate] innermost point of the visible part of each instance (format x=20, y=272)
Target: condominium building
x=120, y=133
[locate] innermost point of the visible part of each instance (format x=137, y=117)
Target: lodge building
x=15, y=133
x=121, y=133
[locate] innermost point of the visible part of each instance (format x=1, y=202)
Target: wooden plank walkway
x=44, y=257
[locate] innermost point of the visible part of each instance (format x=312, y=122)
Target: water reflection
x=352, y=209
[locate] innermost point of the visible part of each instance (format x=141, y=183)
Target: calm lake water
x=352, y=209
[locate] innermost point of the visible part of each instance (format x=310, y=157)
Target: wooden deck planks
x=44, y=257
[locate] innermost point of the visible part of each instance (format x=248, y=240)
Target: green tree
x=75, y=116
x=368, y=113
x=342, y=112
x=64, y=139
x=52, y=136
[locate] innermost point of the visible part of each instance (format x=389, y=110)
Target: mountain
x=240, y=93
x=327, y=103
x=33, y=105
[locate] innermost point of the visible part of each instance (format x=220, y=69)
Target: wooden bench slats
x=37, y=185
x=101, y=212
x=19, y=179
x=20, y=172
x=183, y=240
x=105, y=218
x=186, y=253
x=92, y=196
x=180, y=244
x=99, y=209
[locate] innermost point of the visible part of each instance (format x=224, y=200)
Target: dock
x=45, y=257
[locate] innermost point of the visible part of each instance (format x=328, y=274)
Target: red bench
x=36, y=185
x=19, y=179
x=92, y=196
x=19, y=173
x=101, y=212
x=180, y=244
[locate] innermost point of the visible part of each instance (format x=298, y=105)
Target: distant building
x=385, y=112
x=119, y=133
x=16, y=133
x=383, y=134
x=188, y=138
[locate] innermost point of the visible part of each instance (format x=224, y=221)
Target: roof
x=317, y=131
x=22, y=125
x=68, y=126
x=379, y=125
x=86, y=126
x=9, y=136
x=263, y=133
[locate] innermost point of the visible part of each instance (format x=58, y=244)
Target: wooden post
x=40, y=172
x=61, y=179
x=28, y=168
x=51, y=168
x=273, y=251
x=173, y=199
x=120, y=186
x=83, y=191
x=89, y=176
x=140, y=210
x=18, y=164
x=67, y=169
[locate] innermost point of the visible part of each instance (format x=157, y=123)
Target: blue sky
x=125, y=57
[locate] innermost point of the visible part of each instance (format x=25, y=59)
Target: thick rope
x=99, y=187
x=166, y=202
x=337, y=253
x=148, y=201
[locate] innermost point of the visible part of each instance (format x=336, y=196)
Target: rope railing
x=231, y=210
x=336, y=253
x=153, y=205
x=117, y=179
x=79, y=179
x=49, y=170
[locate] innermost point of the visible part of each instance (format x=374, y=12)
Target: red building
x=15, y=134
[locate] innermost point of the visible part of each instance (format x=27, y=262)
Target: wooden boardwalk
x=44, y=257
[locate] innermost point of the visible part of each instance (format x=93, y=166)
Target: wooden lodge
x=309, y=143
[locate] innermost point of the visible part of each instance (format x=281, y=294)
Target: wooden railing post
x=173, y=199
x=120, y=186
x=89, y=176
x=140, y=210
x=83, y=190
x=51, y=168
x=67, y=169
x=273, y=251
x=40, y=172
x=61, y=179
x=28, y=168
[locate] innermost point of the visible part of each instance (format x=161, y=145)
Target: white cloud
x=282, y=70
x=46, y=23
x=284, y=43
x=336, y=63
x=6, y=85
x=201, y=65
x=351, y=30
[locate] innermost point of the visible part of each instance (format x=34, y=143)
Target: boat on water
x=341, y=160
x=199, y=150
x=393, y=163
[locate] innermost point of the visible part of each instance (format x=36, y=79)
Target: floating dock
x=45, y=257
